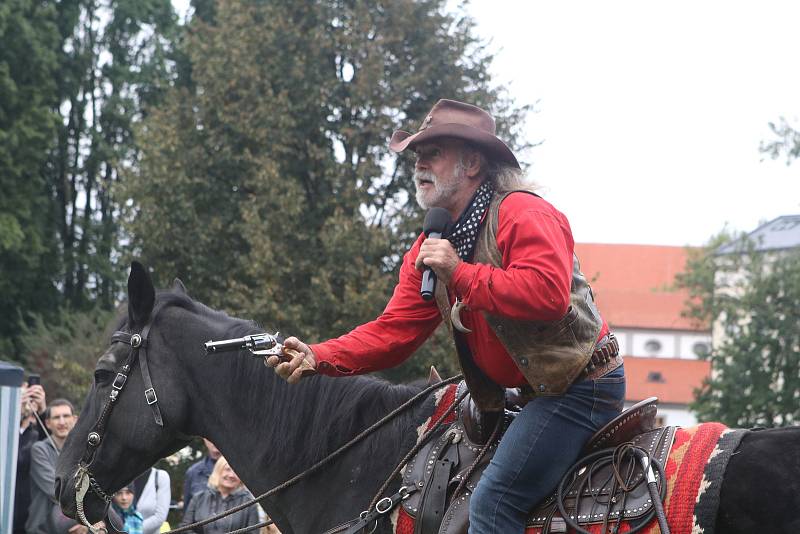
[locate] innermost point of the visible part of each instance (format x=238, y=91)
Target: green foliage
x=786, y=142
x=113, y=62
x=265, y=181
x=28, y=259
x=65, y=351
x=754, y=298
x=698, y=279
x=75, y=76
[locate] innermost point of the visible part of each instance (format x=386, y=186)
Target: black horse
x=270, y=431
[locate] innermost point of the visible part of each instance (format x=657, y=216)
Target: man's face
x=60, y=421
x=438, y=174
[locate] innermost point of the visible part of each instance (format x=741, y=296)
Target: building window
x=653, y=346
x=701, y=349
x=655, y=376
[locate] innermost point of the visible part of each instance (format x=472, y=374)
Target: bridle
x=84, y=480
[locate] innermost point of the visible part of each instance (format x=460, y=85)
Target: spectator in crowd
x=225, y=491
x=151, y=499
x=267, y=529
x=197, y=475
x=33, y=403
x=123, y=504
x=44, y=513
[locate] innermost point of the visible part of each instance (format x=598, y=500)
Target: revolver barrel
x=252, y=343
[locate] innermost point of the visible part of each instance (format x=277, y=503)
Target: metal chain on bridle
x=85, y=481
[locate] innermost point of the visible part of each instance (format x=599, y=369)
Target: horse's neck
x=270, y=430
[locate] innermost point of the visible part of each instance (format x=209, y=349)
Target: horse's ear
x=178, y=287
x=141, y=294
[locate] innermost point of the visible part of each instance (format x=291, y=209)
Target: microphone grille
x=436, y=220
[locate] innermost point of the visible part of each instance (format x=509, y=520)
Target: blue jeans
x=539, y=446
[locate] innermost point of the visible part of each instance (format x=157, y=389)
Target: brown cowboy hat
x=449, y=118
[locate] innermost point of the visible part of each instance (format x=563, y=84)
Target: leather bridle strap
x=95, y=436
x=149, y=392
x=138, y=343
x=84, y=481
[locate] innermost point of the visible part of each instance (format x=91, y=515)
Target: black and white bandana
x=464, y=234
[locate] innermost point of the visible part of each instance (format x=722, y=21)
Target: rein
x=317, y=466
x=84, y=480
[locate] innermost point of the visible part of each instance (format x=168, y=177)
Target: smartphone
x=34, y=380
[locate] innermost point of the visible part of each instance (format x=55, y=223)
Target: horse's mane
x=329, y=411
x=325, y=411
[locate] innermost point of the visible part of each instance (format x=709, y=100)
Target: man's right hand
x=298, y=361
x=37, y=398
x=33, y=399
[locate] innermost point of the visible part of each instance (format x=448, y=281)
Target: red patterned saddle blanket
x=693, y=460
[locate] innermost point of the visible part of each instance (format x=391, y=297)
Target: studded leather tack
x=455, y=444
x=637, y=503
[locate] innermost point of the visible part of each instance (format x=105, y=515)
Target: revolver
x=260, y=346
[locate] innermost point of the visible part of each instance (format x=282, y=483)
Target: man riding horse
x=522, y=313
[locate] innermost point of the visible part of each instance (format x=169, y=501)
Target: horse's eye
x=103, y=376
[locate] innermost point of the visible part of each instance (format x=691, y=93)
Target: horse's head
x=137, y=408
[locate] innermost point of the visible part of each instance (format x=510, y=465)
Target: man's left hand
x=439, y=255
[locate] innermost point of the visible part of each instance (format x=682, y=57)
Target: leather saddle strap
x=434, y=500
x=371, y=517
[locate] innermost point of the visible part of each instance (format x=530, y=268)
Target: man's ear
x=474, y=164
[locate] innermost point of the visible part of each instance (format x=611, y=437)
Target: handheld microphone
x=437, y=220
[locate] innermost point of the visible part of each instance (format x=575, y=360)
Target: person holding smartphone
x=33, y=401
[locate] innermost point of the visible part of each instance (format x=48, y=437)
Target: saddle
x=444, y=463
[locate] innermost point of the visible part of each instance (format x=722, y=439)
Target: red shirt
x=536, y=245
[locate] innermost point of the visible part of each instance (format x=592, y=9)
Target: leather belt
x=605, y=358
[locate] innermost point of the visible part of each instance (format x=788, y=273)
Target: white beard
x=429, y=199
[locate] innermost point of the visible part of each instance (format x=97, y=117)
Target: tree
x=787, y=142
x=113, y=63
x=266, y=183
x=28, y=254
x=753, y=298
x=75, y=75
x=65, y=350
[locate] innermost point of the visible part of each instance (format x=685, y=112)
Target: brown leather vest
x=551, y=355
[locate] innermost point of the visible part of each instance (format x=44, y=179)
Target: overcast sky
x=651, y=113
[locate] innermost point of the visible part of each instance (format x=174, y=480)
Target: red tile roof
x=670, y=379
x=630, y=284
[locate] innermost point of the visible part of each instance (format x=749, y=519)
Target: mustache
x=427, y=176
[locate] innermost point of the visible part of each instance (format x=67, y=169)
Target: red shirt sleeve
x=387, y=341
x=536, y=245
